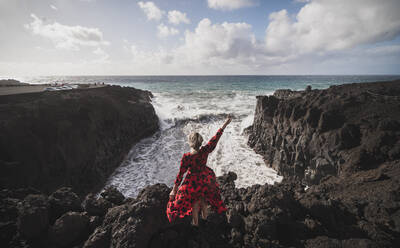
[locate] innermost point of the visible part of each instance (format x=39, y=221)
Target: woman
x=200, y=186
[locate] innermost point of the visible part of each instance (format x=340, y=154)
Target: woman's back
x=200, y=181
x=196, y=163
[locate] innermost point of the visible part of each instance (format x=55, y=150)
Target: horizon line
x=197, y=75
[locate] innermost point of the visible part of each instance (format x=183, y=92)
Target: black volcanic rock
x=96, y=206
x=361, y=210
x=112, y=195
x=357, y=207
x=314, y=133
x=33, y=217
x=100, y=238
x=62, y=201
x=68, y=229
x=135, y=222
x=72, y=138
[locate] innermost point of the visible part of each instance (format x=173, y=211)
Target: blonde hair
x=195, y=140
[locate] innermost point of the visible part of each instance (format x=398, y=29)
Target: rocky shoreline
x=314, y=133
x=332, y=214
x=70, y=138
x=343, y=142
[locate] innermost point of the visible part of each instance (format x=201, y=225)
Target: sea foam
x=157, y=159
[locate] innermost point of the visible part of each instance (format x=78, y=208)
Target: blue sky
x=199, y=37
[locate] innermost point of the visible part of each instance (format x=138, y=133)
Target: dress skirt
x=194, y=187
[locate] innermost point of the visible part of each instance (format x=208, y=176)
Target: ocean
x=201, y=103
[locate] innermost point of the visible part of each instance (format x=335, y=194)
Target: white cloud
x=321, y=31
x=102, y=55
x=151, y=10
x=210, y=48
x=322, y=37
x=53, y=7
x=66, y=37
x=324, y=26
x=230, y=4
x=145, y=58
x=226, y=40
x=176, y=17
x=165, y=31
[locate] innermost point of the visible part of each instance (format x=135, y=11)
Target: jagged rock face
x=26, y=219
x=70, y=138
x=358, y=208
x=134, y=223
x=100, y=238
x=337, y=131
x=361, y=210
x=339, y=212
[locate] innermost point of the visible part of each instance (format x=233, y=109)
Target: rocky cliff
x=361, y=212
x=352, y=129
x=70, y=138
x=314, y=133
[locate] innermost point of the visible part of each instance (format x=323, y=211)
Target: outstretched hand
x=227, y=122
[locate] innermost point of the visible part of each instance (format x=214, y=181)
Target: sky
x=199, y=37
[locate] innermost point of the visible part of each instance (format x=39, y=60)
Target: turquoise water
x=220, y=83
x=201, y=103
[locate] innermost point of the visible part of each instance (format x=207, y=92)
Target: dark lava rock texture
x=359, y=211
x=352, y=198
x=72, y=138
x=338, y=131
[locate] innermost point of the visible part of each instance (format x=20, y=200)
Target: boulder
x=33, y=218
x=112, y=195
x=69, y=229
x=96, y=206
x=63, y=200
x=135, y=222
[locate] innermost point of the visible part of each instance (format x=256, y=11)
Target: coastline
x=13, y=87
x=311, y=134
x=356, y=204
x=70, y=138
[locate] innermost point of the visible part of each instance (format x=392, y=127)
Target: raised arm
x=210, y=146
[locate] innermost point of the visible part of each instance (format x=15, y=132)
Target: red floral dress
x=200, y=181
